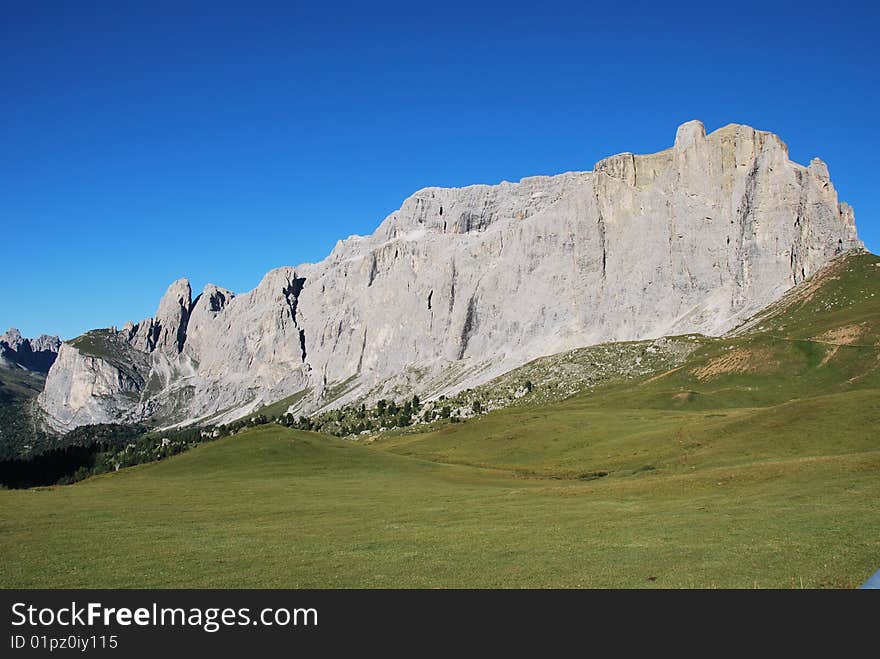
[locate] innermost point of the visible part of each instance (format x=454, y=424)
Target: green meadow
x=755, y=464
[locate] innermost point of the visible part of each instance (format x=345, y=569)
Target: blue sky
x=144, y=142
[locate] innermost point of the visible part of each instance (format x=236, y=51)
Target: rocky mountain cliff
x=30, y=354
x=460, y=285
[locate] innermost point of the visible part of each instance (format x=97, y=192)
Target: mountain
x=750, y=462
x=461, y=285
x=30, y=354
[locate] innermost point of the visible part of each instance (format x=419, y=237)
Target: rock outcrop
x=30, y=354
x=463, y=284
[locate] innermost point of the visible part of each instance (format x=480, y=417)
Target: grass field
x=755, y=464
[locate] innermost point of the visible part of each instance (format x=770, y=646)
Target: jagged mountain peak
x=10, y=335
x=689, y=133
x=178, y=295
x=36, y=354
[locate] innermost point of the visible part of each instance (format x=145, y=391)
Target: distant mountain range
x=30, y=354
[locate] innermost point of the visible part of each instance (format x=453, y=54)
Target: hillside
x=751, y=463
x=18, y=389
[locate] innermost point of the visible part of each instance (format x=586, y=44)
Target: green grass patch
x=273, y=507
x=279, y=408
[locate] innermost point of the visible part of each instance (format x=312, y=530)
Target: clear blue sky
x=142, y=143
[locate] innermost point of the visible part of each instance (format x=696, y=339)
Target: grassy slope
x=753, y=464
x=18, y=388
x=275, y=508
x=18, y=385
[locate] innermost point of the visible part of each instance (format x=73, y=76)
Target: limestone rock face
x=30, y=354
x=91, y=384
x=204, y=311
x=463, y=284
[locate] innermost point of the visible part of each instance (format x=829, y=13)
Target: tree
x=529, y=386
x=416, y=403
x=477, y=407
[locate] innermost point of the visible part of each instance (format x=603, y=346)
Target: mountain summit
x=28, y=354
x=462, y=284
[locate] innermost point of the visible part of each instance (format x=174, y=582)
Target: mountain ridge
x=462, y=284
x=36, y=354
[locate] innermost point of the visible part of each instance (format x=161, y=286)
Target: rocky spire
x=169, y=325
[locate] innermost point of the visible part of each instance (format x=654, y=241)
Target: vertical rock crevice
x=291, y=293
x=745, y=223
x=470, y=324
x=374, y=270
x=363, y=350
x=452, y=288
x=600, y=224
x=302, y=344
